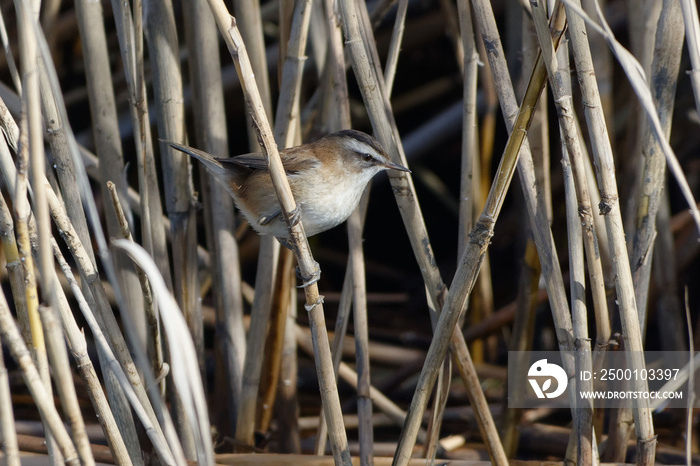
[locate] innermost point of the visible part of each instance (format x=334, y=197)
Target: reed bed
x=142, y=321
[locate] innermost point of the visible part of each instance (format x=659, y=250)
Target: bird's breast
x=328, y=203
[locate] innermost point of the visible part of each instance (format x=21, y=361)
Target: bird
x=327, y=178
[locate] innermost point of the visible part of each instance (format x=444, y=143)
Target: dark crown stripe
x=363, y=138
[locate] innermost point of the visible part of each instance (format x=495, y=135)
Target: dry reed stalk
x=534, y=202
x=385, y=129
x=106, y=318
x=364, y=402
x=250, y=23
x=10, y=449
x=31, y=163
x=183, y=353
x=26, y=293
x=65, y=387
x=307, y=266
x=603, y=63
x=74, y=336
x=265, y=278
x=344, y=371
x=692, y=32
x=395, y=45
x=40, y=395
x=162, y=40
x=523, y=331
x=248, y=14
x=87, y=268
x=12, y=259
x=161, y=445
x=664, y=74
x=288, y=404
x=467, y=270
x=471, y=198
x=105, y=125
x=487, y=127
x=336, y=112
x=558, y=70
x=154, y=348
x=210, y=131
x=359, y=303
x=610, y=208
x=288, y=111
x=272, y=364
x=583, y=413
x=64, y=147
x=470, y=148
x=642, y=26
x=148, y=203
x=7, y=49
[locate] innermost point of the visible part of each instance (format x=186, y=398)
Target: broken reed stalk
x=307, y=266
x=210, y=134
x=376, y=102
x=610, y=208
x=153, y=343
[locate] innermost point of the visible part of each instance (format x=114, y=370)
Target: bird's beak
x=396, y=166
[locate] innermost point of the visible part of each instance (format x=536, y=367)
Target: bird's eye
x=367, y=157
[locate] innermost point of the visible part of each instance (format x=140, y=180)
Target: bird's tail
x=228, y=177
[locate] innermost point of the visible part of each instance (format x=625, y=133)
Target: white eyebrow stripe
x=360, y=147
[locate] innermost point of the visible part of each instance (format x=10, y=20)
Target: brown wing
x=292, y=163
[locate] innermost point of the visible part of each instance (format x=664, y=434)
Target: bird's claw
x=294, y=215
x=309, y=280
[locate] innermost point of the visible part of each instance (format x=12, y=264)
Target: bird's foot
x=312, y=278
x=294, y=216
